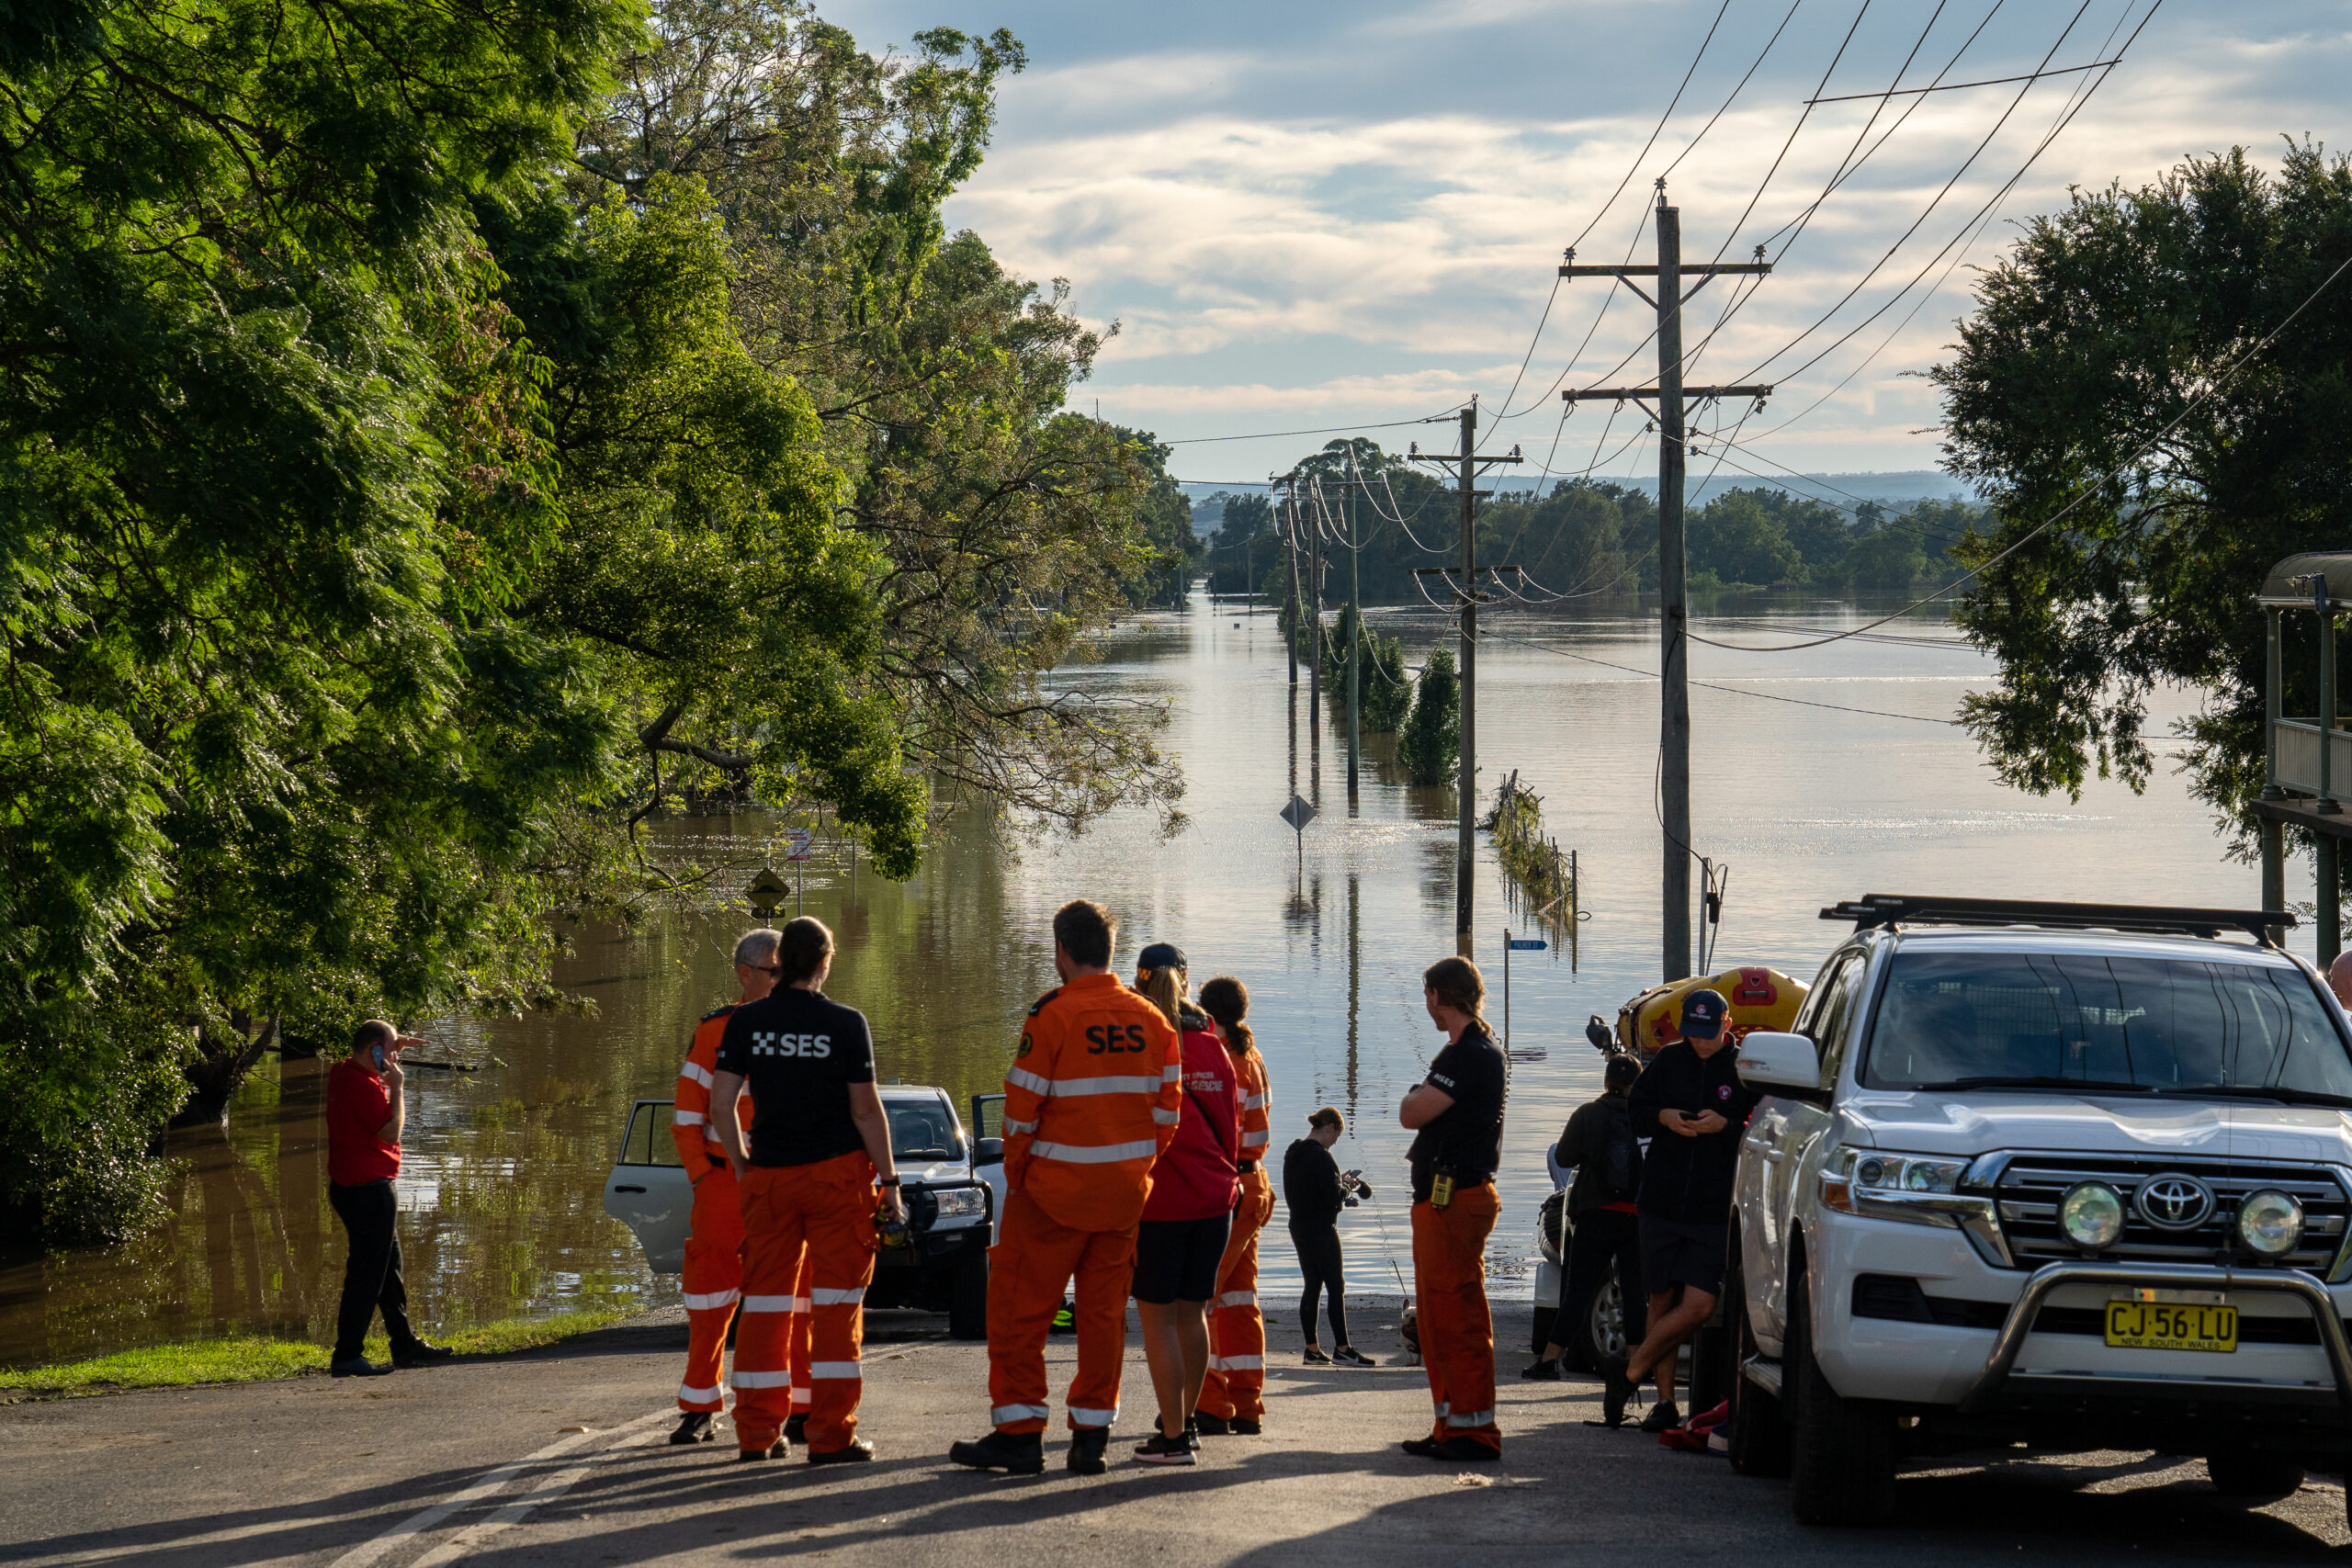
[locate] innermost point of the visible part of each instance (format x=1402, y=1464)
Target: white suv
x=2070, y=1176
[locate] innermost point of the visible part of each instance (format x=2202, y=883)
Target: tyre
x=1841, y=1451
x=967, y=1300
x=1599, y=1329
x=2254, y=1478
x=1759, y=1425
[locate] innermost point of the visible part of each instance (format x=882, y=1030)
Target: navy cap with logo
x=1161, y=956
x=1702, y=1014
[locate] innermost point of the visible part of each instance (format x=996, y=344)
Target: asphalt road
x=557, y=1457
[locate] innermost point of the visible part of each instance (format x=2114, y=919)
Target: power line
x=1963, y=86
x=1327, y=430
x=2213, y=385
x=1734, y=691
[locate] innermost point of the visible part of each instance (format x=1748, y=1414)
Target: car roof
x=2116, y=945
x=911, y=1091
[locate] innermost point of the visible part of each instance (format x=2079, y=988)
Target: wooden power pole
x=1467, y=465
x=1666, y=402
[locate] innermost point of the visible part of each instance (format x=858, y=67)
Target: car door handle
x=629, y=1189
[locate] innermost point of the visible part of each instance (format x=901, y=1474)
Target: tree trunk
x=220, y=1069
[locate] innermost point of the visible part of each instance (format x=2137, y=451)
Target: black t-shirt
x=799, y=1052
x=1466, y=1141
x=1689, y=1181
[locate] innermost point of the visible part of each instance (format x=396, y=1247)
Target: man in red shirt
x=365, y=1115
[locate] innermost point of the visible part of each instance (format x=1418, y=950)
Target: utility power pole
x=1356, y=647
x=1314, y=630
x=1465, y=849
x=1289, y=550
x=1670, y=397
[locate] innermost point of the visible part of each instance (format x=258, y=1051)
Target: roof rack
x=1877, y=909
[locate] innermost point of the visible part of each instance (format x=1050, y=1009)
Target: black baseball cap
x=1161, y=956
x=1702, y=1014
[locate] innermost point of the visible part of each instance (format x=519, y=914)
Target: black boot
x=1087, y=1445
x=1024, y=1454
x=693, y=1428
x=418, y=1353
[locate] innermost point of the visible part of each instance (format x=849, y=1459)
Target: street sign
x=767, y=891
x=1298, y=814
x=1526, y=944
x=797, y=842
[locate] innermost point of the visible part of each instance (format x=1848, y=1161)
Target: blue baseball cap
x=1702, y=1014
x=1161, y=956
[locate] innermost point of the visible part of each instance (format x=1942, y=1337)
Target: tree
x=2090, y=339
x=1735, y=539
x=1431, y=746
x=278, y=749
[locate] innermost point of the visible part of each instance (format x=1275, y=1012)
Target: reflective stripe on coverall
x=1092, y=1097
x=811, y=1222
x=1237, y=1380
x=1456, y=1327
x=713, y=1275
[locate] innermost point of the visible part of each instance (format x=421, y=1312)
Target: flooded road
x=1818, y=775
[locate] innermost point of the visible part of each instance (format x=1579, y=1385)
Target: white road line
x=488, y=1486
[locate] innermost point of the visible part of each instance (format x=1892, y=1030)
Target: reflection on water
x=501, y=1186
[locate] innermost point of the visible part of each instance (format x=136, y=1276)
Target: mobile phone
x=379, y=1059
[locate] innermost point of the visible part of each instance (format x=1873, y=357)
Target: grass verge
x=252, y=1358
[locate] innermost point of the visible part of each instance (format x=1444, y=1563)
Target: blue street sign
x=1525, y=943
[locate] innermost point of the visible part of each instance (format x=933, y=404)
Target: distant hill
x=1899, y=487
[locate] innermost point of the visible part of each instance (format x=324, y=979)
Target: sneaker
x=1540, y=1371
x=1616, y=1388
x=796, y=1429
x=1088, y=1447
x=358, y=1367
x=1016, y=1454
x=421, y=1354
x=693, y=1428
x=1209, y=1426
x=1663, y=1415
x=1314, y=1356
x=1244, y=1426
x=1192, y=1432
x=1065, y=1320
x=777, y=1449
x=859, y=1452
x=1349, y=1355
x=1160, y=1449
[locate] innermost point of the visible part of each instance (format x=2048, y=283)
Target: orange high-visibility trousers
x=1237, y=1381
x=819, y=1216
x=1036, y=1255
x=713, y=1280
x=1457, y=1329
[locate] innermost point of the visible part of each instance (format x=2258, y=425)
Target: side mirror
x=1769, y=1061
x=989, y=1151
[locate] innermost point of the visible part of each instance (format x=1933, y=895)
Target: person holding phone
x=366, y=1115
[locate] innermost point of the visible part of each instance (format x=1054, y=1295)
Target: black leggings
x=1318, y=1259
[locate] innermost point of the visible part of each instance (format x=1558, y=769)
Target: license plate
x=2164, y=1326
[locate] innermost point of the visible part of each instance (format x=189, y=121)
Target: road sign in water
x=1526, y=944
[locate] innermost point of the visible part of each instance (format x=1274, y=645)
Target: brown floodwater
x=1808, y=799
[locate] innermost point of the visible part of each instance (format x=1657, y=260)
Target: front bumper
x=2292, y=1349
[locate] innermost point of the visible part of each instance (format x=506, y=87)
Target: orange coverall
x=1091, y=1101
x=811, y=1226
x=713, y=1269
x=1237, y=1380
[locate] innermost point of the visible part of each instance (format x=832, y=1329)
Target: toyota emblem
x=2175, y=1202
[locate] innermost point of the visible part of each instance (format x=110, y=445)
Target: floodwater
x=1807, y=800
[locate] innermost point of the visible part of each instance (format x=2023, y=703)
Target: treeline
x=439, y=435
x=1585, y=537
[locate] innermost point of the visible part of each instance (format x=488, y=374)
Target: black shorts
x=1176, y=1260
x=1675, y=1254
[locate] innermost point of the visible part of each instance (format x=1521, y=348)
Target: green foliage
x=1431, y=745
x=2104, y=322
x=1734, y=538
x=1384, y=690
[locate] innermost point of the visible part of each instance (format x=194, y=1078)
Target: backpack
x=1620, y=1158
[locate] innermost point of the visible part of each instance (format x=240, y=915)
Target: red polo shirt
x=357, y=1105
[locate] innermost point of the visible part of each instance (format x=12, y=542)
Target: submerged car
x=953, y=1185
x=2070, y=1176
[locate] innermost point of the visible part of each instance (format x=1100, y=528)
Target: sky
x=1309, y=214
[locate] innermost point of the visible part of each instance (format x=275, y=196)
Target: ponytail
x=1164, y=989
x=1227, y=1000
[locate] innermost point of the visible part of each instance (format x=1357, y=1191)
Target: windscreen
x=923, y=1130
x=1965, y=1019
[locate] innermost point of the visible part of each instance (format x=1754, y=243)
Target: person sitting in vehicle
x=1600, y=1145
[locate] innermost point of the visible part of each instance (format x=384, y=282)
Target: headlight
x=1876, y=1181
x=2270, y=1223
x=961, y=1202
x=2091, y=1213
